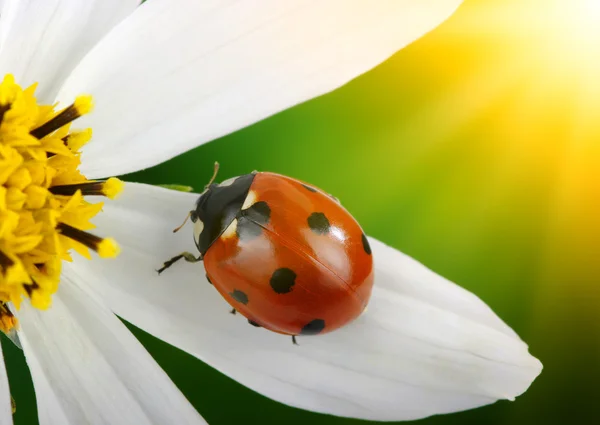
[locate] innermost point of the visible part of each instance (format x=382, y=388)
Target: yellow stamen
x=108, y=248
x=112, y=188
x=83, y=104
x=43, y=213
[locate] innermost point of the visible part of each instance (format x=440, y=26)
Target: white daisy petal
x=43, y=40
x=179, y=73
x=87, y=368
x=7, y=16
x=424, y=346
x=5, y=407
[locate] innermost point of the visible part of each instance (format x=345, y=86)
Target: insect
x=284, y=254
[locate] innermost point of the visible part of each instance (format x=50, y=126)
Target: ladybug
x=284, y=254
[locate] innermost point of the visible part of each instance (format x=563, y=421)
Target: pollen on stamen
x=112, y=188
x=83, y=104
x=108, y=248
x=43, y=211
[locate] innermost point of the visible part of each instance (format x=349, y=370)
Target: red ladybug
x=284, y=254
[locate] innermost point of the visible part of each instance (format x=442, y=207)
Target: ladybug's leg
x=294, y=340
x=233, y=311
x=253, y=323
x=188, y=256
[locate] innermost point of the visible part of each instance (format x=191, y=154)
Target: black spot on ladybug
x=318, y=223
x=239, y=296
x=310, y=189
x=366, y=245
x=313, y=327
x=259, y=212
x=208, y=278
x=283, y=280
x=253, y=323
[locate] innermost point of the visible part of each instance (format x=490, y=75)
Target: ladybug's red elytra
x=284, y=254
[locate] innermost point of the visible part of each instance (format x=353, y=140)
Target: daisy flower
x=167, y=76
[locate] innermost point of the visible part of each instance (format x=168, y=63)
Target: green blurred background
x=475, y=150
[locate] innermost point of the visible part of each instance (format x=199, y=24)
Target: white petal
x=424, y=346
x=87, y=368
x=179, y=73
x=5, y=407
x=7, y=16
x=43, y=40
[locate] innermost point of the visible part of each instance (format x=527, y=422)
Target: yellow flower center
x=43, y=214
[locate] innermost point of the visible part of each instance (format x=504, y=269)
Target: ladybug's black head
x=217, y=207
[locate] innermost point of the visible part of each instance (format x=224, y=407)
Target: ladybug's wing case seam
x=298, y=249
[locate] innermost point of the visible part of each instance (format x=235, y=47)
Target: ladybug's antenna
x=182, y=224
x=214, y=176
x=212, y=179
